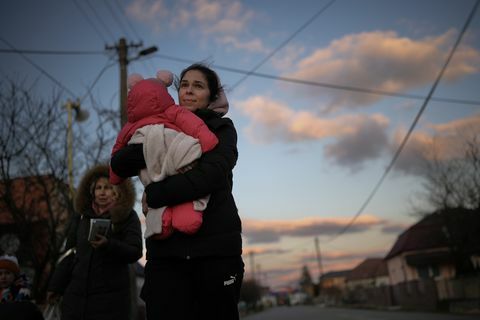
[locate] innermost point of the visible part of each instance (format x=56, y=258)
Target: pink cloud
x=260, y=231
x=383, y=61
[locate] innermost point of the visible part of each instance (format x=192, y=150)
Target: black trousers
x=202, y=288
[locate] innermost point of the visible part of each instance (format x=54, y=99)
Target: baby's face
x=6, y=278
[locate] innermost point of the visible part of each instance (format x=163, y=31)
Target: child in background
x=13, y=285
x=15, y=292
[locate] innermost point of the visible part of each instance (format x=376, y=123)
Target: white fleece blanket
x=165, y=151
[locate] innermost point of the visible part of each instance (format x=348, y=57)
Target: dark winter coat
x=220, y=233
x=97, y=286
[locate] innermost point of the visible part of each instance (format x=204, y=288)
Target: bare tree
x=454, y=182
x=452, y=190
x=35, y=202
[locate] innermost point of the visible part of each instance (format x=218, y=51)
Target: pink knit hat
x=164, y=76
x=10, y=263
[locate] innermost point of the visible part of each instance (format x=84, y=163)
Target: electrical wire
x=108, y=65
x=284, y=43
x=22, y=53
x=139, y=39
x=127, y=20
x=100, y=19
x=115, y=17
x=39, y=68
x=52, y=52
x=89, y=21
x=261, y=75
x=324, y=84
x=412, y=126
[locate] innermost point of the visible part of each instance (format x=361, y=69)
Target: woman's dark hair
x=210, y=75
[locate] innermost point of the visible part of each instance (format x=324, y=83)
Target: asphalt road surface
x=320, y=313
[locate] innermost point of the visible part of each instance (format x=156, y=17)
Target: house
x=332, y=286
x=370, y=273
x=30, y=208
x=429, y=259
x=369, y=284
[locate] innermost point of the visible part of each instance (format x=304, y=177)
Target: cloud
x=382, y=60
x=151, y=13
x=367, y=142
x=273, y=120
x=226, y=22
x=259, y=251
x=254, y=45
x=352, y=139
x=286, y=59
x=258, y=231
x=437, y=141
x=395, y=229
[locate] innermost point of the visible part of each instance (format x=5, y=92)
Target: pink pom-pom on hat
x=166, y=77
x=133, y=79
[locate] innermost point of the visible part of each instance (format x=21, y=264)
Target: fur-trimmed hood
x=126, y=194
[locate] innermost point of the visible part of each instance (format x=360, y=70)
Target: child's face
x=6, y=278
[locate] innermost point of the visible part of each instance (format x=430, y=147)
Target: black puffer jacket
x=220, y=233
x=97, y=287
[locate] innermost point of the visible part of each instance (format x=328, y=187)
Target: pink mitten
x=186, y=219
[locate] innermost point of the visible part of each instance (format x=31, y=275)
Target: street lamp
x=80, y=115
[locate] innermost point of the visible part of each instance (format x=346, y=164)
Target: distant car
x=298, y=298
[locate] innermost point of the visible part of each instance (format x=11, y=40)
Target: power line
x=115, y=17
x=39, y=68
x=22, y=53
x=108, y=65
x=89, y=21
x=127, y=20
x=52, y=52
x=260, y=75
x=284, y=43
x=412, y=126
x=99, y=19
x=326, y=85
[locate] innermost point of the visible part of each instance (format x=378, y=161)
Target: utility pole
x=252, y=265
x=319, y=257
x=122, y=50
x=80, y=115
x=259, y=275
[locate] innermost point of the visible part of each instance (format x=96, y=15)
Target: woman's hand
x=99, y=241
x=144, y=204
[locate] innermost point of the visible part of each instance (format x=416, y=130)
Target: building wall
x=396, y=270
x=399, y=271
x=382, y=281
x=416, y=295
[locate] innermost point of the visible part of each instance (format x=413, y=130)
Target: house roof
x=335, y=274
x=370, y=268
x=431, y=231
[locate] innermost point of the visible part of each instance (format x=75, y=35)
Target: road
x=319, y=313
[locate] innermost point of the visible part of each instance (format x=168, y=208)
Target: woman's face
x=104, y=193
x=194, y=93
